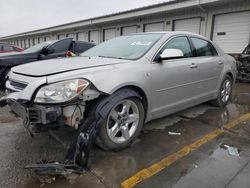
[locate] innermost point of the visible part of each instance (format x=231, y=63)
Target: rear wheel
x=122, y=125
x=225, y=92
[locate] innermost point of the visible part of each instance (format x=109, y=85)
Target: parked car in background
x=127, y=81
x=243, y=65
x=7, y=48
x=42, y=51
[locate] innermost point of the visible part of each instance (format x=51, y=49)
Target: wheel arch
x=231, y=75
x=141, y=92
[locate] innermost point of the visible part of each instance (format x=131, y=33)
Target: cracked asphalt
x=211, y=165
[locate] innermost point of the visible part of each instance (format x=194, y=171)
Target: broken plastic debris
x=232, y=150
x=174, y=133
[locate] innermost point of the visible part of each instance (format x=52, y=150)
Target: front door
x=174, y=82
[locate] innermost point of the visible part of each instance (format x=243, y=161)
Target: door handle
x=193, y=66
x=220, y=62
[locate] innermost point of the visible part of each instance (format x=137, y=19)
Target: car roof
x=84, y=42
x=172, y=33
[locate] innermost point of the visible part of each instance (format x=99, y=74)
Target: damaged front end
x=52, y=106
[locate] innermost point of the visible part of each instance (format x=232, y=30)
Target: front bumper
x=34, y=114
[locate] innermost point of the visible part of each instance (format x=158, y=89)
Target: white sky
x=25, y=15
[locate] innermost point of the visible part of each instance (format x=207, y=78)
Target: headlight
x=61, y=91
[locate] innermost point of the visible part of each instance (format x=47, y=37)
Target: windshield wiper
x=110, y=57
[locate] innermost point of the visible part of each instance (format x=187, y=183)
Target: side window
x=16, y=49
x=203, y=47
x=180, y=43
x=7, y=48
x=61, y=46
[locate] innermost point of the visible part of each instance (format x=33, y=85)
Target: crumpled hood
x=55, y=66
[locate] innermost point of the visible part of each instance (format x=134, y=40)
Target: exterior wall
x=189, y=9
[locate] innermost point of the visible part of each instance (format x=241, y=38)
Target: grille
x=17, y=85
x=34, y=115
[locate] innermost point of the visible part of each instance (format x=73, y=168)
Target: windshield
x=125, y=47
x=38, y=47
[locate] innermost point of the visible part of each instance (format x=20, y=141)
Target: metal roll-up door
x=191, y=25
x=232, y=31
x=109, y=34
x=152, y=27
x=61, y=36
x=26, y=43
x=128, y=30
x=94, y=37
x=36, y=40
x=41, y=39
x=47, y=38
x=71, y=35
x=82, y=36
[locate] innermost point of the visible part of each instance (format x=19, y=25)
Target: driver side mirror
x=50, y=51
x=170, y=54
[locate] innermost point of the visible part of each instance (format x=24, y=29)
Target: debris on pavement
x=232, y=150
x=174, y=133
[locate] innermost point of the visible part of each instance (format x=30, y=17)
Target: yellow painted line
x=158, y=166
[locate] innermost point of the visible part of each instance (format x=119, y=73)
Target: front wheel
x=122, y=125
x=225, y=92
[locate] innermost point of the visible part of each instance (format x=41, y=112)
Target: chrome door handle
x=220, y=62
x=193, y=66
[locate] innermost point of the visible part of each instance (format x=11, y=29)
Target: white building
x=227, y=22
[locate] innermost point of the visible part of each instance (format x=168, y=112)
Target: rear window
x=8, y=48
x=203, y=47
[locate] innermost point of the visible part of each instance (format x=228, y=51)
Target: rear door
x=174, y=81
x=210, y=64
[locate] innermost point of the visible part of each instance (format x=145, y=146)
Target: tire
x=225, y=92
x=116, y=132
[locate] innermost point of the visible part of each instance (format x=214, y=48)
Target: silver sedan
x=127, y=81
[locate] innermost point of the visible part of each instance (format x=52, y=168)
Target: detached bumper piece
x=54, y=168
x=77, y=155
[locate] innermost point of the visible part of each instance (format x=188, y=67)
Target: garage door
x=154, y=27
x=71, y=35
x=191, y=25
x=129, y=30
x=232, y=31
x=36, y=41
x=41, y=39
x=61, y=36
x=109, y=34
x=94, y=37
x=27, y=43
x=47, y=38
x=83, y=36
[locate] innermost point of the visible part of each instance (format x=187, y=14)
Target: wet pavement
x=211, y=165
